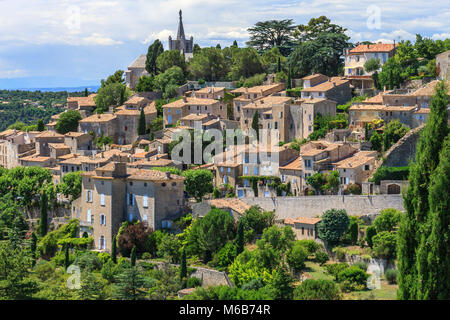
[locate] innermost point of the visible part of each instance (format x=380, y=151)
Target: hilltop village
x=343, y=151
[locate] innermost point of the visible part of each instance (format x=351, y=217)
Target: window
x=174, y=184
x=255, y=170
x=225, y=179
x=102, y=199
x=102, y=220
x=246, y=170
x=125, y=128
x=163, y=184
x=145, y=201
x=89, y=216
x=102, y=243
x=229, y=170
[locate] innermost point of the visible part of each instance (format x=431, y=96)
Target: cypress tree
x=133, y=256
x=40, y=125
x=240, y=239
x=141, y=124
x=279, y=64
x=33, y=248
x=114, y=250
x=66, y=257
x=289, y=80
x=235, y=44
x=438, y=284
x=255, y=124
x=183, y=266
x=86, y=93
x=43, y=215
x=414, y=229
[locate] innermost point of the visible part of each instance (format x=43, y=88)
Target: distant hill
x=92, y=88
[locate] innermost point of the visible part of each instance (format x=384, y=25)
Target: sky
x=60, y=43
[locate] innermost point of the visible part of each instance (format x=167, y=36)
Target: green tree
x=133, y=256
x=385, y=244
x=92, y=287
x=117, y=77
x=372, y=65
x=246, y=63
x=170, y=58
x=183, y=266
x=43, y=226
x=240, y=238
x=145, y=84
x=129, y=285
x=114, y=249
x=198, y=183
x=141, y=124
x=33, y=248
x=173, y=76
x=210, y=233
x=68, y=121
x=71, y=185
x=297, y=256
x=282, y=284
x=209, y=64
x=266, y=35
x=391, y=74
x=66, y=257
x=153, y=52
x=312, y=289
x=392, y=132
x=41, y=126
x=413, y=247
x=113, y=94
x=169, y=248
x=255, y=124
x=86, y=92
x=333, y=225
x=353, y=231
x=387, y=220
x=370, y=233
x=376, y=140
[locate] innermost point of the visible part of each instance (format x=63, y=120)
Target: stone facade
x=185, y=47
x=443, y=65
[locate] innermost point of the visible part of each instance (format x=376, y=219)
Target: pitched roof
x=267, y=102
x=381, y=107
x=296, y=164
x=358, y=159
x=139, y=62
x=303, y=220
x=190, y=101
x=378, y=47
x=234, y=204
x=257, y=89
x=83, y=101
x=313, y=76
x=428, y=89
x=104, y=117
x=210, y=89
x=152, y=175
x=49, y=134
x=58, y=146
x=328, y=85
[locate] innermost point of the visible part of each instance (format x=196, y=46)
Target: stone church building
x=180, y=43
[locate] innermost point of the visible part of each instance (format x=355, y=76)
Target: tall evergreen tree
x=133, y=256
x=129, y=285
x=33, y=248
x=141, y=124
x=183, y=266
x=415, y=226
x=279, y=65
x=66, y=257
x=86, y=93
x=438, y=284
x=289, y=80
x=43, y=227
x=152, y=54
x=255, y=124
x=235, y=44
x=40, y=125
x=114, y=249
x=240, y=239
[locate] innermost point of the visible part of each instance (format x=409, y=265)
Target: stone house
x=336, y=89
x=292, y=172
x=114, y=193
x=304, y=228
x=356, y=58
x=58, y=149
x=310, y=109
x=37, y=161
x=215, y=93
x=249, y=95
x=135, y=71
x=237, y=208
x=84, y=105
x=78, y=142
x=43, y=139
x=313, y=80
x=175, y=111
x=357, y=168
x=360, y=114
x=443, y=65
x=100, y=125
x=14, y=145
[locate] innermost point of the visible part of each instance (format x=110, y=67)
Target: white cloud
x=10, y=74
x=440, y=36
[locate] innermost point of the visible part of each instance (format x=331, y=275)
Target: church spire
x=180, y=34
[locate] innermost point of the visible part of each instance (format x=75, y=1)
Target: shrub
x=297, y=256
x=193, y=282
x=335, y=268
x=370, y=233
x=391, y=276
x=340, y=253
x=361, y=265
x=321, y=257
x=353, y=278
x=146, y=255
x=385, y=245
x=133, y=235
x=317, y=290
x=310, y=245
x=225, y=256
x=44, y=270
x=88, y=261
x=354, y=188
x=387, y=220
x=390, y=173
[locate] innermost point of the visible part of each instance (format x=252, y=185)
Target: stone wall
x=313, y=206
x=401, y=153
